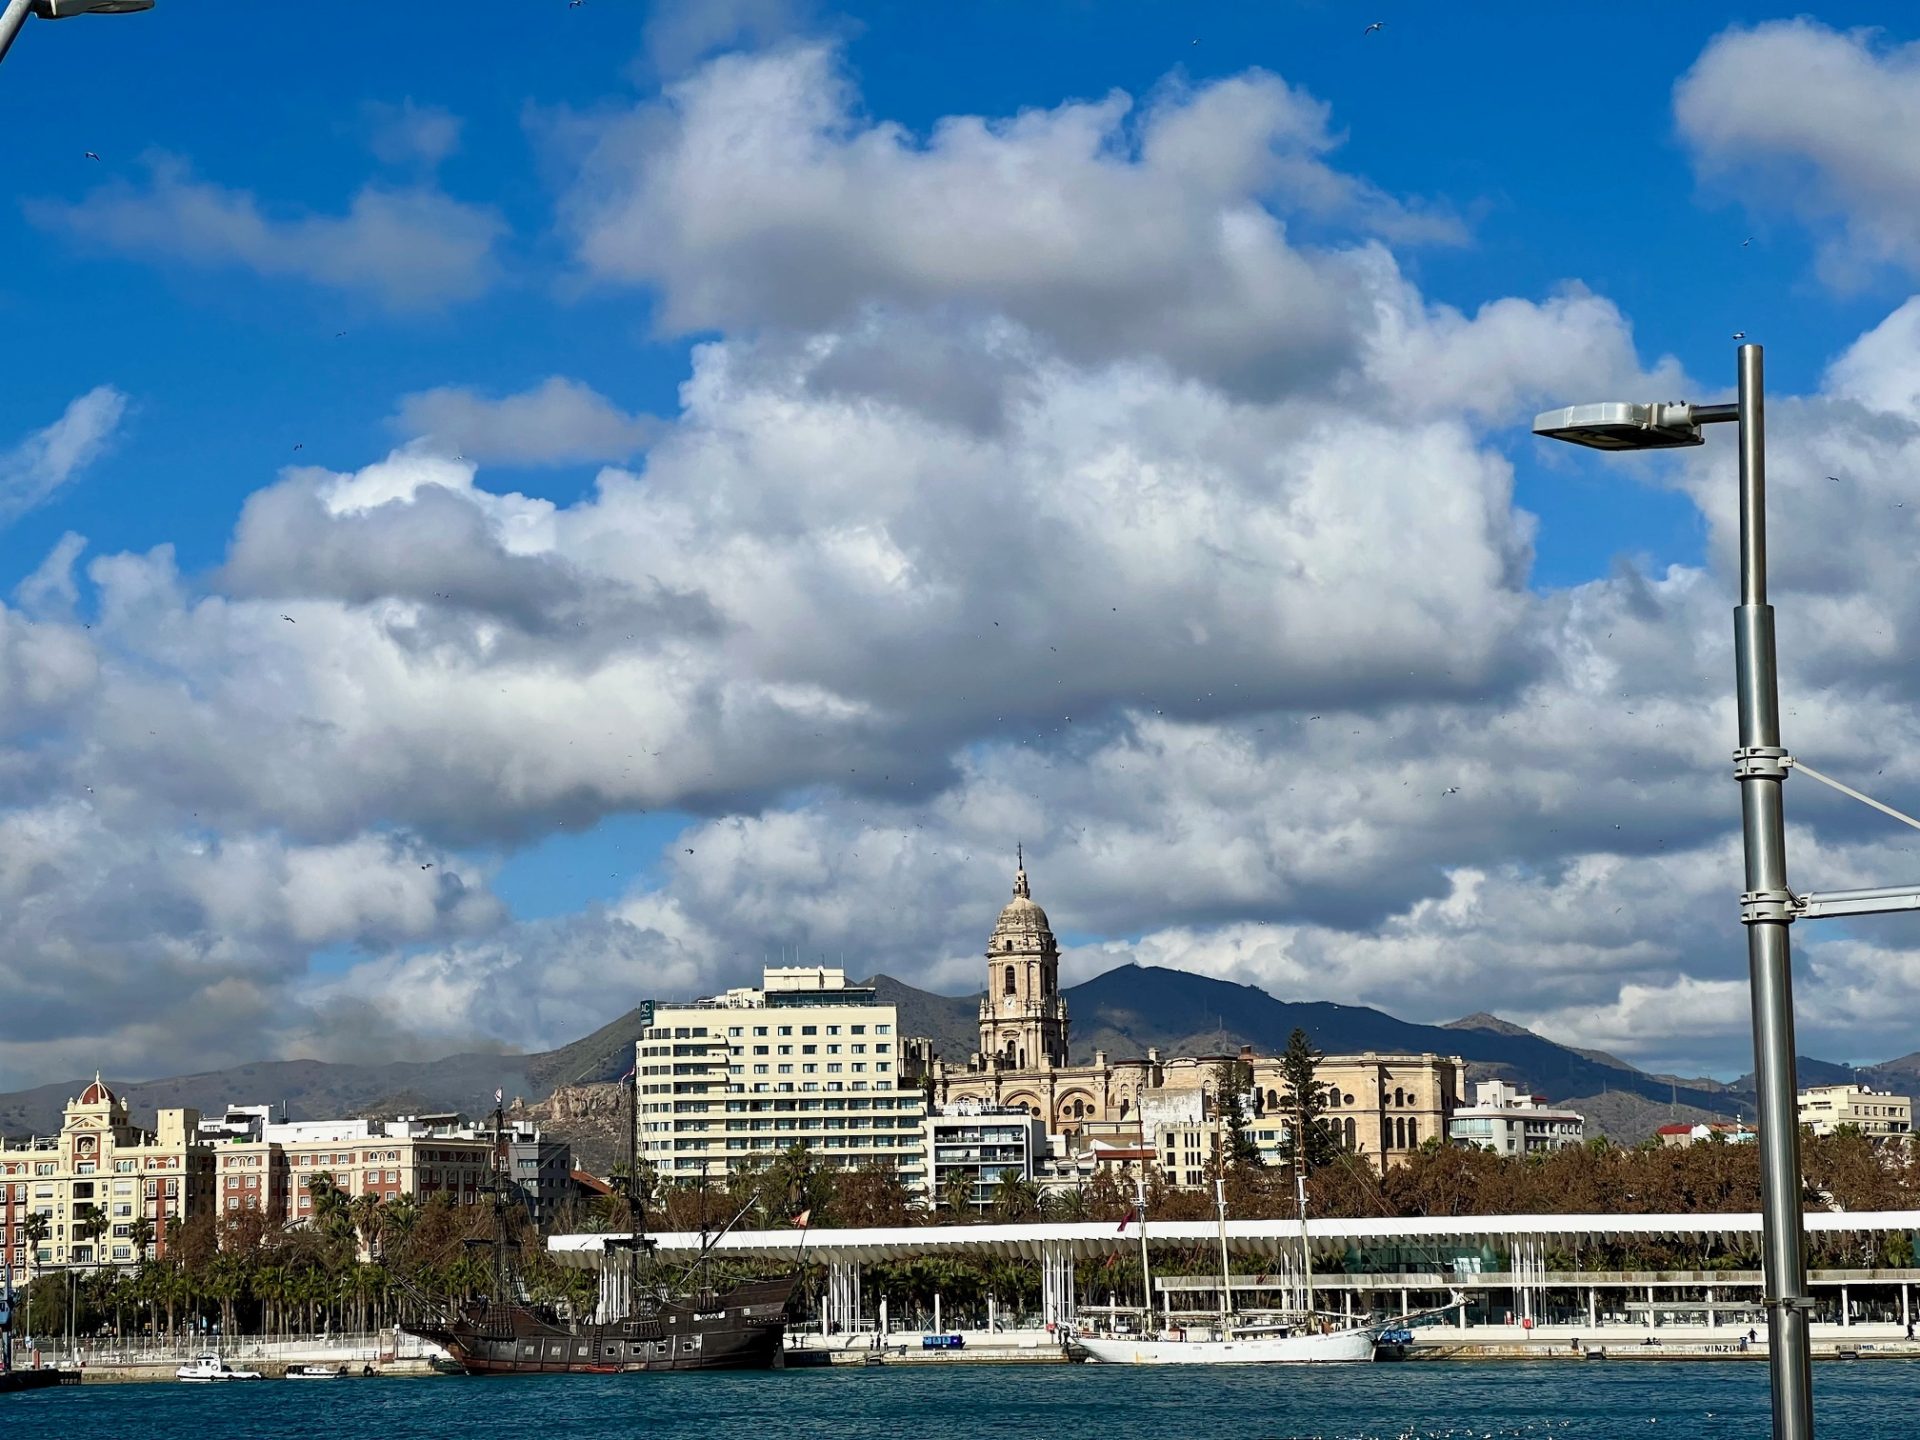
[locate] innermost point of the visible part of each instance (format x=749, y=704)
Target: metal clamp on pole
x=1757, y=906
x=1761, y=762
x=1788, y=1302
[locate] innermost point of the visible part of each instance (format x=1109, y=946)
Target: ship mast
x=1226, y=1273
x=1300, y=1192
x=1146, y=1269
x=502, y=1174
x=636, y=1215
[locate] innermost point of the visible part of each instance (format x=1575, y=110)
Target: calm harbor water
x=1423, y=1401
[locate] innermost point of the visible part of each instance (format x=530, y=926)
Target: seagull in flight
x=88, y=155
x=1376, y=25
x=1739, y=334
x=300, y=447
x=289, y=619
x=1746, y=242
x=1451, y=790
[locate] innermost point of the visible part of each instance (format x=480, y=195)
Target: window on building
x=1007, y=988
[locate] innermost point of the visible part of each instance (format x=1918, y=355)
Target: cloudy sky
x=500, y=521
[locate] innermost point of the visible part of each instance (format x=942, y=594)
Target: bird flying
x=289, y=619
x=1376, y=25
x=88, y=155
x=1739, y=334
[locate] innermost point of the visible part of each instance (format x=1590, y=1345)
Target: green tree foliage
x=1303, y=1107
x=1232, y=1080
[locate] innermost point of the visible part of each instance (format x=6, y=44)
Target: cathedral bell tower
x=1023, y=1019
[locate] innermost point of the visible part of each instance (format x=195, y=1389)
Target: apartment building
x=984, y=1144
x=270, y=1166
x=1874, y=1113
x=137, y=1181
x=806, y=1058
x=1512, y=1122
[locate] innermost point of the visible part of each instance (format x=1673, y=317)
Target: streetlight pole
x=15, y=15
x=1767, y=907
x=1760, y=765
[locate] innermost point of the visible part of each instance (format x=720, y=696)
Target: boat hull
x=743, y=1328
x=1339, y=1347
x=12, y=1380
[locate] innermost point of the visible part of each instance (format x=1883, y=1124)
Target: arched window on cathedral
x=1008, y=988
x=1413, y=1133
x=1273, y=1099
x=1350, y=1132
x=1125, y=1105
x=1399, y=1096
x=1079, y=1109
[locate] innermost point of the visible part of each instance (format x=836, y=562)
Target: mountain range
x=1125, y=1012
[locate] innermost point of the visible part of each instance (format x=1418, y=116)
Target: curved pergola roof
x=1244, y=1237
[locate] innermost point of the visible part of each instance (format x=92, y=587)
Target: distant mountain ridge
x=1125, y=1012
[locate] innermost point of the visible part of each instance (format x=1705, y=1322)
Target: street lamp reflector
x=67, y=9
x=1618, y=425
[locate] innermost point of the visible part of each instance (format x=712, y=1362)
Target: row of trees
x=361, y=1264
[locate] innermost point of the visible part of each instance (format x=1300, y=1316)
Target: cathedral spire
x=1020, y=872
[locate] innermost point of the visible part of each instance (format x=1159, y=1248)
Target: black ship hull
x=741, y=1328
x=11, y=1380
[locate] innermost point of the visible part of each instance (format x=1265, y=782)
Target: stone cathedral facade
x=1386, y=1105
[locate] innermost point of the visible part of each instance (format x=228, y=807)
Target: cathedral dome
x=1022, y=925
x=97, y=1093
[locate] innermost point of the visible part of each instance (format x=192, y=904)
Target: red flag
x=1127, y=1219
x=628, y=1076
x=802, y=1218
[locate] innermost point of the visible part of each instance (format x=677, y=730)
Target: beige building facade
x=101, y=1161
x=1875, y=1113
x=1385, y=1105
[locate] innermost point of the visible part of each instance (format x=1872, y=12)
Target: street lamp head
x=67, y=9
x=1618, y=425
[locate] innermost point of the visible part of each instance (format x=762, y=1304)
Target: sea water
x=1867, y=1400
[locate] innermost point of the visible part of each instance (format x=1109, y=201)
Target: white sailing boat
x=1311, y=1339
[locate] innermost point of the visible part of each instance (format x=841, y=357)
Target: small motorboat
x=316, y=1372
x=205, y=1369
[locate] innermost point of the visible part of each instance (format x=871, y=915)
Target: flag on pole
x=1133, y=1213
x=800, y=1220
x=496, y=1095
x=628, y=1076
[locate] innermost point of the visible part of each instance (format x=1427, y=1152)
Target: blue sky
x=309, y=250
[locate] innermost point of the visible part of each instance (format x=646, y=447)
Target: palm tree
x=89, y=1223
x=956, y=1191
x=364, y=1211
x=330, y=1216
x=36, y=1232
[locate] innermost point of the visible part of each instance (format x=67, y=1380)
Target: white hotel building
x=807, y=1058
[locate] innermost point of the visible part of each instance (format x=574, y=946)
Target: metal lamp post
x=1767, y=907
x=15, y=15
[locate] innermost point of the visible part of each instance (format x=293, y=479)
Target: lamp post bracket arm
x=1813, y=774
